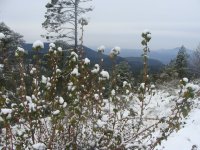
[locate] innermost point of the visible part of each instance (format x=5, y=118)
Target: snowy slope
x=187, y=137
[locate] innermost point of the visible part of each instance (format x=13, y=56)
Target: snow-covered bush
x=66, y=108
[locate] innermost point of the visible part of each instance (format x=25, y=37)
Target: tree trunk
x=76, y=26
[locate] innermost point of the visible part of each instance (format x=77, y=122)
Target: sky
x=117, y=22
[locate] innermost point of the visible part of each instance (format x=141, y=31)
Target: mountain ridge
x=163, y=55
x=136, y=63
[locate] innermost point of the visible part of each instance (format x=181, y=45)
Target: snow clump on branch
x=83, y=21
x=2, y=36
x=19, y=51
x=39, y=146
x=52, y=45
x=96, y=69
x=38, y=45
x=101, y=49
x=104, y=75
x=75, y=71
x=60, y=49
x=86, y=61
x=74, y=56
x=115, y=51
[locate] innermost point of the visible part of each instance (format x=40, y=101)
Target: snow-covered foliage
x=96, y=68
x=86, y=61
x=60, y=49
x=38, y=45
x=101, y=49
x=115, y=51
x=187, y=138
x=39, y=146
x=82, y=108
x=83, y=21
x=2, y=36
x=52, y=45
x=104, y=75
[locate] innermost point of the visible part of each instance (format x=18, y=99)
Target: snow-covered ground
x=159, y=105
x=188, y=136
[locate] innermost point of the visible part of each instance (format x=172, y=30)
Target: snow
x=83, y=21
x=149, y=36
x=44, y=79
x=193, y=87
x=38, y=44
x=96, y=96
x=2, y=36
x=1, y=66
x=39, y=146
x=104, y=75
x=52, y=45
x=86, y=61
x=125, y=83
x=185, y=80
x=28, y=98
x=96, y=69
x=55, y=52
x=5, y=111
x=32, y=70
x=56, y=112
x=113, y=92
x=64, y=105
x=146, y=31
x=101, y=49
x=58, y=71
x=75, y=72
x=20, y=49
x=186, y=137
x=61, y=100
x=115, y=51
x=153, y=86
x=142, y=85
x=156, y=106
x=74, y=56
x=60, y=49
x=50, y=49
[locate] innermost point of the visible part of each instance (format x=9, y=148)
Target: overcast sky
x=117, y=22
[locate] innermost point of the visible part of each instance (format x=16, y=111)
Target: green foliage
x=181, y=63
x=195, y=61
x=123, y=73
x=12, y=39
x=7, y=46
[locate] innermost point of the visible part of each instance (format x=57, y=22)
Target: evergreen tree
x=196, y=61
x=12, y=39
x=8, y=45
x=181, y=62
x=62, y=18
x=123, y=73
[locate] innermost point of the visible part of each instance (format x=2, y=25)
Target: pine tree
x=62, y=18
x=196, y=61
x=123, y=73
x=8, y=45
x=181, y=62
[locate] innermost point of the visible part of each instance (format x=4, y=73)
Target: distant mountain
x=136, y=63
x=164, y=55
x=28, y=47
x=95, y=58
x=89, y=53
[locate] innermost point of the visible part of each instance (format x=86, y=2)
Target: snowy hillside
x=188, y=137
